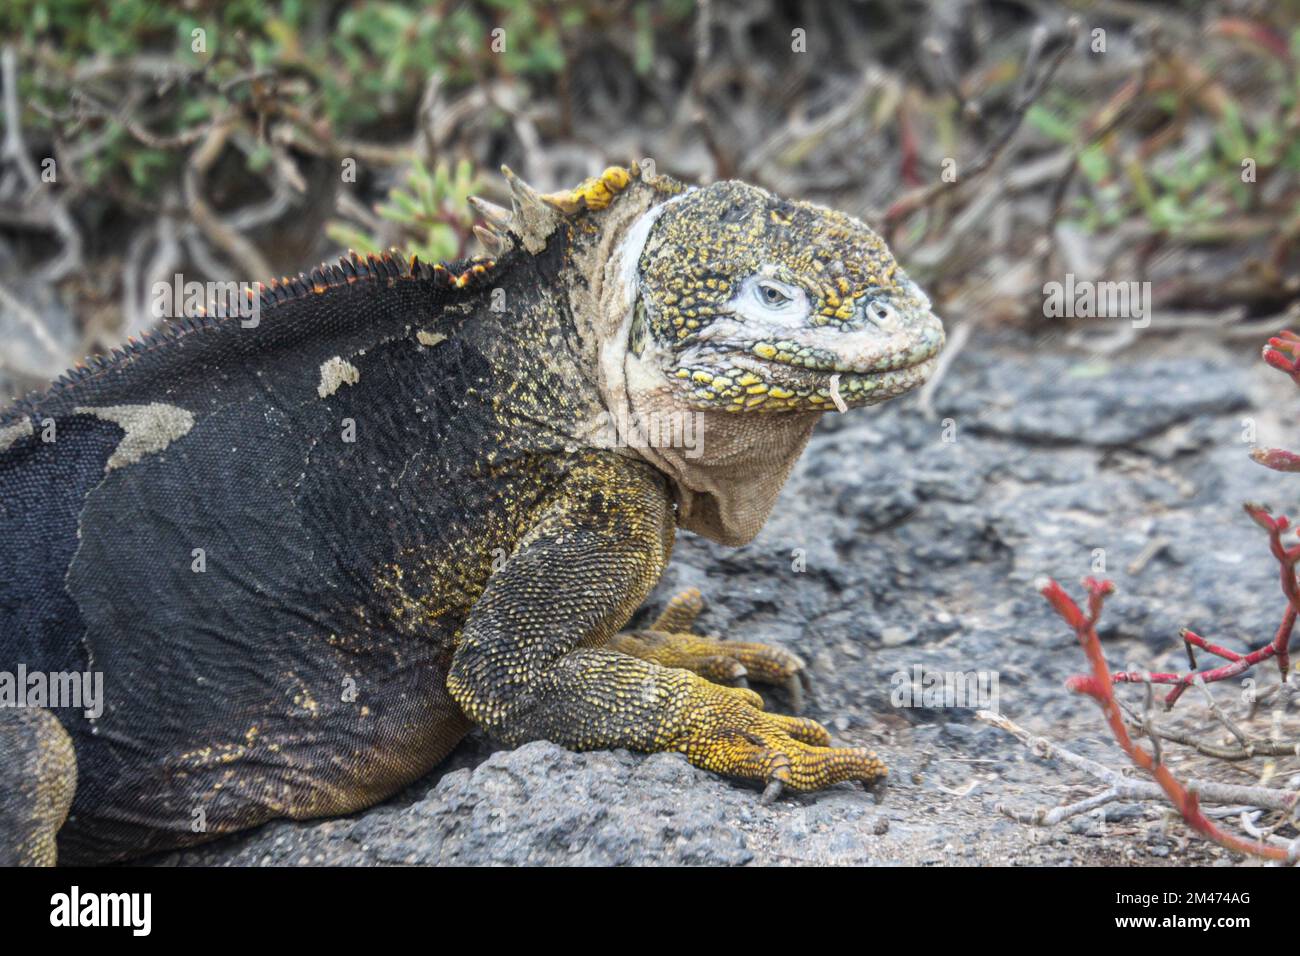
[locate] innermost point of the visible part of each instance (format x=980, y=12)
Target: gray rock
x=916, y=554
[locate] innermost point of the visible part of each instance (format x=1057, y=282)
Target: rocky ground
x=902, y=542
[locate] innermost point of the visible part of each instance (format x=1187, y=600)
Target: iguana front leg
x=532, y=662
x=38, y=777
x=669, y=641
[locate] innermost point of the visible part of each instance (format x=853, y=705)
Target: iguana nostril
x=880, y=314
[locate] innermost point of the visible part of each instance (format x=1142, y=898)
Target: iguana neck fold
x=725, y=483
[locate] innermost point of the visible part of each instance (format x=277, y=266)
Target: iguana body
x=307, y=557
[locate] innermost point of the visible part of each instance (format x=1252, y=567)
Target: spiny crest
x=534, y=216
x=349, y=270
x=390, y=266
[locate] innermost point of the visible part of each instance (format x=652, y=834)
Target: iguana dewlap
x=307, y=556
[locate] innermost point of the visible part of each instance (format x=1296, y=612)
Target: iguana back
x=265, y=540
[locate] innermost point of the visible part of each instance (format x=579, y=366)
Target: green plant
x=431, y=207
x=105, y=79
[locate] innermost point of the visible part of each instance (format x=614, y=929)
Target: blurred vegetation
x=336, y=69
x=431, y=207
x=209, y=137
x=1182, y=184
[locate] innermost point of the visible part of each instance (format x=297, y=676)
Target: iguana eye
x=771, y=295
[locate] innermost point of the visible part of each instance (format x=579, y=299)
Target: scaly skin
x=469, y=555
x=715, y=259
x=670, y=643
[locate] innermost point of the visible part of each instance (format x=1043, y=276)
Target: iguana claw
x=669, y=642
x=726, y=730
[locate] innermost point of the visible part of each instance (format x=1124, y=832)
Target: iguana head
x=753, y=303
x=747, y=313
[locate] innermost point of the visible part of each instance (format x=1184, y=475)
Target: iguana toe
x=670, y=643
x=728, y=735
x=680, y=612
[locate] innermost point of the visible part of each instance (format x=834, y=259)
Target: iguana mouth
x=911, y=361
x=914, y=372
x=794, y=386
x=813, y=352
x=822, y=373
x=902, y=351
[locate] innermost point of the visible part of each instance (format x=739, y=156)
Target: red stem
x=1098, y=685
x=1239, y=663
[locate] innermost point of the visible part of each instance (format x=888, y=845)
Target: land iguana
x=307, y=557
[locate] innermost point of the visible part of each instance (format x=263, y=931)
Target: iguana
x=307, y=557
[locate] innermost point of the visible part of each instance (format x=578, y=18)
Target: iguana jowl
x=411, y=517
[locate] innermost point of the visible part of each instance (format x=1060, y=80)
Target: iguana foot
x=726, y=730
x=669, y=642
